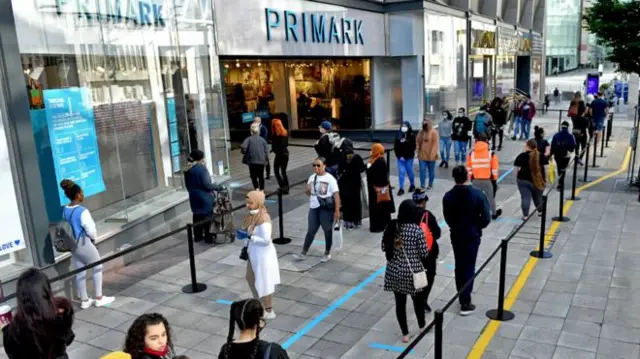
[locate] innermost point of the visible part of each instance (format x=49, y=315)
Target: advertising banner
x=72, y=134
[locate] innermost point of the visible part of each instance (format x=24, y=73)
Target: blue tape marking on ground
x=224, y=301
x=319, y=241
x=270, y=201
x=505, y=174
x=450, y=266
x=511, y=220
x=335, y=305
x=391, y=348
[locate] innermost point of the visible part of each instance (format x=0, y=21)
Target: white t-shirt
x=326, y=186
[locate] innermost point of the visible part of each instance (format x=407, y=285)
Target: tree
x=616, y=24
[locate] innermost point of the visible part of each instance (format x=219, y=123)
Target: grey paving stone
x=620, y=333
x=586, y=314
x=344, y=335
x=327, y=350
x=589, y=301
x=302, y=345
x=111, y=340
x=103, y=316
x=84, y=351
x=551, y=309
x=510, y=330
x=571, y=353
x=577, y=341
x=542, y=321
x=617, y=349
x=188, y=337
x=529, y=349
x=540, y=335
x=209, y=344
x=501, y=345
x=86, y=331
x=585, y=328
x=360, y=321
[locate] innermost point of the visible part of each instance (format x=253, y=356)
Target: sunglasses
x=316, y=165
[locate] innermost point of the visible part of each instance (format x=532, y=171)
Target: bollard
x=439, y=318
x=561, y=217
x=609, y=128
x=194, y=287
x=575, y=178
x=282, y=239
x=586, y=163
x=595, y=150
x=499, y=313
x=602, y=134
x=388, y=159
x=541, y=253
x=559, y=120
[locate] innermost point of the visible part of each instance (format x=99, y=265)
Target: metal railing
x=194, y=286
x=500, y=313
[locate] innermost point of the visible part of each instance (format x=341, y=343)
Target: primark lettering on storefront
x=114, y=94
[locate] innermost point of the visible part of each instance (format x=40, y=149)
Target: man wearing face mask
x=460, y=135
x=499, y=116
x=482, y=123
x=445, y=127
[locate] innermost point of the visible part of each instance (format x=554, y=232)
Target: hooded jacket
x=482, y=164
x=428, y=144
x=405, y=143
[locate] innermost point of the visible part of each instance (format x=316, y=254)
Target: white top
x=87, y=223
x=326, y=186
x=263, y=259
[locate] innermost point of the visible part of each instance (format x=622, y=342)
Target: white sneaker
x=326, y=258
x=269, y=315
x=300, y=257
x=85, y=304
x=104, y=301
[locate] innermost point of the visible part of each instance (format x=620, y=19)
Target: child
x=149, y=337
x=248, y=315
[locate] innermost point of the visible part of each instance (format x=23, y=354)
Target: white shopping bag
x=337, y=236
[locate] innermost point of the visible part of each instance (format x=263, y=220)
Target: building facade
x=115, y=94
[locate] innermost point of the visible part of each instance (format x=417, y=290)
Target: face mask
x=460, y=114
x=254, y=211
x=404, y=129
x=444, y=117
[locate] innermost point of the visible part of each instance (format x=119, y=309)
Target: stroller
x=222, y=222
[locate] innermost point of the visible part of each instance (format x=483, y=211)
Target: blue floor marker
x=318, y=241
x=224, y=301
x=450, y=266
x=510, y=220
x=391, y=348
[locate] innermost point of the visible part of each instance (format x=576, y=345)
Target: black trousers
x=430, y=264
x=581, y=142
x=465, y=253
x=280, y=170
x=561, y=163
x=256, y=172
x=267, y=168
x=498, y=132
x=202, y=231
x=401, y=310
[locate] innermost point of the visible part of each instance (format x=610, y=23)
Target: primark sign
x=132, y=12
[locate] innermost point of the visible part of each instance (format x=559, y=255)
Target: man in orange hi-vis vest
x=483, y=167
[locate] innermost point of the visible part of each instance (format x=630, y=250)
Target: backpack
x=424, y=225
x=573, y=110
x=63, y=238
x=560, y=148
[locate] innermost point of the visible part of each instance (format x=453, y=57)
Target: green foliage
x=616, y=24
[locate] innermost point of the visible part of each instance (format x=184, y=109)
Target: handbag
x=244, y=253
x=383, y=194
x=419, y=278
x=325, y=203
x=337, y=236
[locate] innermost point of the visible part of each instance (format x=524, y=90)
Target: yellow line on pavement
x=492, y=328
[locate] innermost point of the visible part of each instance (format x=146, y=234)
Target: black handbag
x=244, y=253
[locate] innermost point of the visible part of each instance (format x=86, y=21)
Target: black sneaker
x=412, y=188
x=429, y=187
x=400, y=192
x=427, y=308
x=499, y=148
x=498, y=214
x=441, y=164
x=446, y=164
x=467, y=309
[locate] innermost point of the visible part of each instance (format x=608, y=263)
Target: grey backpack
x=63, y=237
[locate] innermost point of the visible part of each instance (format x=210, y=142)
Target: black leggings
x=401, y=310
x=256, y=172
x=499, y=133
x=581, y=142
x=280, y=170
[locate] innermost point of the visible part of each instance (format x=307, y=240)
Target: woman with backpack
x=85, y=252
x=577, y=112
x=429, y=225
x=405, y=248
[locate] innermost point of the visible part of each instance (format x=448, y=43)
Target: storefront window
x=117, y=102
x=444, y=63
x=536, y=76
x=306, y=91
x=505, y=75
x=482, y=64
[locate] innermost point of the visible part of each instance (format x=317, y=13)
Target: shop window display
x=308, y=90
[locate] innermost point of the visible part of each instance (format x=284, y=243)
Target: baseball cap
x=565, y=124
x=326, y=125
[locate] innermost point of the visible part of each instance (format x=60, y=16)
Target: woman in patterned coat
x=405, y=247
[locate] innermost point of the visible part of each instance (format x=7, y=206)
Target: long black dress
x=350, y=185
x=379, y=213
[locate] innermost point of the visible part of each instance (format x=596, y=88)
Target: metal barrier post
x=500, y=313
x=561, y=217
x=439, y=318
x=595, y=149
x=541, y=253
x=559, y=120
x=575, y=178
x=602, y=142
x=389, y=159
x=194, y=287
x=586, y=163
x=609, y=128
x=282, y=239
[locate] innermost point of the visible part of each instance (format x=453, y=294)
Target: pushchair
x=222, y=223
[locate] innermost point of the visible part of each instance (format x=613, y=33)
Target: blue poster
x=263, y=114
x=74, y=145
x=248, y=117
x=173, y=133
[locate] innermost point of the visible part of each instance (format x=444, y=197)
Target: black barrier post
x=561, y=217
x=602, y=142
x=575, y=178
x=439, y=318
x=500, y=313
x=282, y=239
x=541, y=253
x=586, y=163
x=388, y=159
x=559, y=120
x=194, y=287
x=609, y=128
x=595, y=149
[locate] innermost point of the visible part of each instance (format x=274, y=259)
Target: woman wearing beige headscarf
x=263, y=272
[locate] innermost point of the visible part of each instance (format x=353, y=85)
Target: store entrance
x=302, y=93
x=481, y=80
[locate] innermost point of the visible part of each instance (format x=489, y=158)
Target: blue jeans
x=460, y=151
x=516, y=126
x=445, y=148
x=525, y=127
x=319, y=217
x=424, y=166
x=405, y=165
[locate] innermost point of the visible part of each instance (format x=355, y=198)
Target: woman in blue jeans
x=405, y=150
x=427, y=144
x=445, y=128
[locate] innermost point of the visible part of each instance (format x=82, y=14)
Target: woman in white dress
x=263, y=272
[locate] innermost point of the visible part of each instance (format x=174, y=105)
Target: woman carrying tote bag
x=405, y=248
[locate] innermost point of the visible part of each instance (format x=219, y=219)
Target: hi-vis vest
x=483, y=166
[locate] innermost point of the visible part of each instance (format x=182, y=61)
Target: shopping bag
x=552, y=171
x=337, y=236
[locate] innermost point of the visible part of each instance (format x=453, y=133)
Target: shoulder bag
x=383, y=194
x=267, y=352
x=419, y=278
